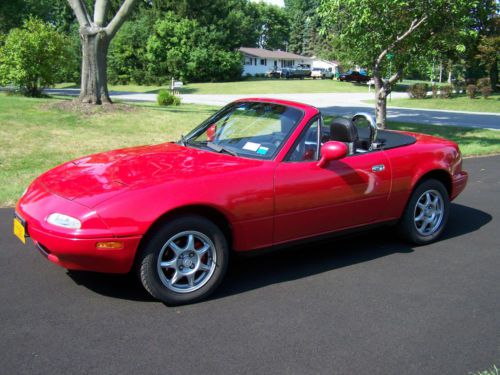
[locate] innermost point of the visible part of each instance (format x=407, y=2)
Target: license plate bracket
x=19, y=229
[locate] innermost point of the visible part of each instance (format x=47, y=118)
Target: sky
x=275, y=2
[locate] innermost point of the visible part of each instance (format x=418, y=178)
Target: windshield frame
x=187, y=140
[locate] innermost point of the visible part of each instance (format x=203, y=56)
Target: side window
x=306, y=148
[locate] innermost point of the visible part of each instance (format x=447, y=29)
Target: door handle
x=378, y=168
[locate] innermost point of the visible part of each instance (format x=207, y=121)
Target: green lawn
x=461, y=103
x=250, y=87
x=35, y=136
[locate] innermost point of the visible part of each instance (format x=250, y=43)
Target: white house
x=260, y=60
x=332, y=66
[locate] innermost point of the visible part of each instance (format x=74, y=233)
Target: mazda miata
x=258, y=174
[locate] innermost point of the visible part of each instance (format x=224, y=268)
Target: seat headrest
x=343, y=130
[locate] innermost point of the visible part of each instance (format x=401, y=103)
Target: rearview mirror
x=332, y=150
x=211, y=131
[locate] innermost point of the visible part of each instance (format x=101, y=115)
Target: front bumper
x=82, y=254
x=458, y=183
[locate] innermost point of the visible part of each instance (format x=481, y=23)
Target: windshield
x=250, y=129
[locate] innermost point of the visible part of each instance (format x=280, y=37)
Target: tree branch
x=80, y=12
x=100, y=11
x=395, y=77
x=119, y=18
x=414, y=25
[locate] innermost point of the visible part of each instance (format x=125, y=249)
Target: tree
x=488, y=46
x=273, y=25
x=95, y=39
x=183, y=49
x=31, y=56
x=388, y=34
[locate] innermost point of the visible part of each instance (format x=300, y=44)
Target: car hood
x=92, y=179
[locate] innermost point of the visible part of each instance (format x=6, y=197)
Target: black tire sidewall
x=147, y=265
x=407, y=227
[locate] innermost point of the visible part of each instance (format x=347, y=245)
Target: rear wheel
x=184, y=261
x=426, y=214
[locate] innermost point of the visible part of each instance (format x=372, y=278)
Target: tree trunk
x=494, y=76
x=94, y=87
x=381, y=108
x=382, y=89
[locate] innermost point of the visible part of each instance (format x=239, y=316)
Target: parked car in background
x=321, y=73
x=353, y=76
x=300, y=71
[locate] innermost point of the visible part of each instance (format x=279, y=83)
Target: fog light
x=109, y=245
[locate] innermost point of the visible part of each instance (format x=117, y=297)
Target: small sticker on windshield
x=262, y=150
x=251, y=146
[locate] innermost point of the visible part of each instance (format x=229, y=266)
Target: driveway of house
x=341, y=104
x=369, y=304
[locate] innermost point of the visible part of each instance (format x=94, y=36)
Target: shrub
x=435, y=89
x=458, y=86
x=32, y=56
x=418, y=91
x=446, y=92
x=484, y=85
x=471, y=91
x=166, y=98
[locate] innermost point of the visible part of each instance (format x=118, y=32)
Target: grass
x=35, y=136
x=461, y=103
x=249, y=87
x=493, y=371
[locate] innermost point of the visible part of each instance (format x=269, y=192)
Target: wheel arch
x=208, y=212
x=440, y=175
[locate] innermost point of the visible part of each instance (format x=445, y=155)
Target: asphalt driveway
x=364, y=305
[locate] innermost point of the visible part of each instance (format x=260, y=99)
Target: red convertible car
x=257, y=174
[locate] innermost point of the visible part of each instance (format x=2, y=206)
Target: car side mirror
x=332, y=150
x=211, y=131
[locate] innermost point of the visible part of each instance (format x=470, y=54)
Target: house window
x=263, y=61
x=287, y=63
x=248, y=60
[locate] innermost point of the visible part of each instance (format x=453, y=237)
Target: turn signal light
x=109, y=245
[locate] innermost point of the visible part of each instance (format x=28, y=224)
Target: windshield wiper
x=219, y=148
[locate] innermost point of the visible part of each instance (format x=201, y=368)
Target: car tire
x=426, y=213
x=184, y=261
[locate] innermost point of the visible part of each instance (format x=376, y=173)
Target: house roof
x=266, y=54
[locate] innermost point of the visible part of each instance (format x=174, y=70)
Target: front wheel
x=184, y=261
x=426, y=214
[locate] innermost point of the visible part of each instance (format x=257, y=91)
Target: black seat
x=343, y=130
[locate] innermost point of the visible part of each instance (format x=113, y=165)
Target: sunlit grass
x=35, y=136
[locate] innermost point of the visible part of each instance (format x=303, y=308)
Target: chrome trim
x=373, y=126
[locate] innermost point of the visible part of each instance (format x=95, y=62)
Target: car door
x=310, y=200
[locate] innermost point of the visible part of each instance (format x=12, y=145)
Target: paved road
x=340, y=104
x=365, y=305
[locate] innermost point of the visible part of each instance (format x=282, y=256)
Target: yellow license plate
x=19, y=230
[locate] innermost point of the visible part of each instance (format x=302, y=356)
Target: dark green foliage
x=166, y=98
x=484, y=85
x=471, y=91
x=418, y=90
x=182, y=49
x=127, y=55
x=446, y=92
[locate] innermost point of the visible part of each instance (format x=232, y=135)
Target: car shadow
x=248, y=273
